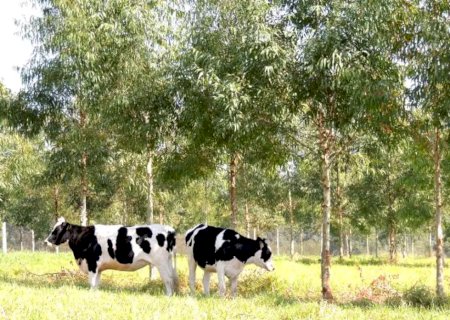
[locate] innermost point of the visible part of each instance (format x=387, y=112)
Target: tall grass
x=48, y=286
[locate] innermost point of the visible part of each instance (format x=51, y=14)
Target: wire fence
x=304, y=243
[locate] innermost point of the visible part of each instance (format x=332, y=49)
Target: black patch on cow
x=235, y=245
x=124, y=251
x=144, y=233
x=111, y=249
x=161, y=238
x=265, y=251
x=84, y=245
x=190, y=233
x=171, y=241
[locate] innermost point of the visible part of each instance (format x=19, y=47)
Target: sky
x=15, y=51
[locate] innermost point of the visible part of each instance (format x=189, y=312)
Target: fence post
x=33, y=243
x=4, y=242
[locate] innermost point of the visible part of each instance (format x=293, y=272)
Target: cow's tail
x=171, y=245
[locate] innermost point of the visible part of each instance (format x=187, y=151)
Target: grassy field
x=48, y=286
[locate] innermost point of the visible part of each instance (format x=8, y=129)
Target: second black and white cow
x=101, y=247
x=223, y=251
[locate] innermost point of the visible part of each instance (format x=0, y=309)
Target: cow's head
x=59, y=233
x=263, y=256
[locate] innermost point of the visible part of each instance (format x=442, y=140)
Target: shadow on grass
x=366, y=261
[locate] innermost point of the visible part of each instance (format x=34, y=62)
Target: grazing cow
x=223, y=251
x=101, y=247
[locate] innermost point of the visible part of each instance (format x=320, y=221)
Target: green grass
x=48, y=286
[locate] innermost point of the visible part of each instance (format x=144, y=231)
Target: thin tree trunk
x=392, y=243
x=324, y=137
x=21, y=238
x=301, y=242
x=392, y=225
x=430, y=243
x=367, y=245
x=340, y=213
x=84, y=180
x=350, y=243
x=413, y=247
x=205, y=205
x=291, y=225
x=438, y=206
x=84, y=190
x=346, y=245
x=233, y=199
x=278, y=241
x=247, y=219
x=150, y=206
x=376, y=243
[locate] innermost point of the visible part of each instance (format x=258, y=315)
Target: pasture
x=45, y=285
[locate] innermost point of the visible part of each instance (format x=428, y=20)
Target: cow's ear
x=61, y=220
x=260, y=242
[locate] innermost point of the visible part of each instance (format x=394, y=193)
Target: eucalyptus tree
x=428, y=55
x=230, y=77
x=346, y=81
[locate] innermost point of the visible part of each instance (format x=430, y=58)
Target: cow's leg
x=221, y=278
x=166, y=276
x=192, y=268
x=234, y=283
x=206, y=278
x=94, y=279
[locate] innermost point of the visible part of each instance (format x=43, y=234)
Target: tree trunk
x=84, y=180
x=376, y=243
x=392, y=243
x=56, y=202
x=21, y=238
x=346, y=245
x=392, y=224
x=150, y=207
x=301, y=242
x=367, y=245
x=291, y=225
x=350, y=243
x=278, y=241
x=340, y=213
x=324, y=137
x=430, y=242
x=247, y=220
x=84, y=190
x=438, y=207
x=233, y=199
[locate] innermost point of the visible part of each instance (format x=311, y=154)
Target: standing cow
x=223, y=251
x=101, y=247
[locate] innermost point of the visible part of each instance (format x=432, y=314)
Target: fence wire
x=307, y=243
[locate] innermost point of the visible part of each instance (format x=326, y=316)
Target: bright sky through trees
x=15, y=51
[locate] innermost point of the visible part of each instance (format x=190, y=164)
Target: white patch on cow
x=220, y=240
x=237, y=236
x=257, y=260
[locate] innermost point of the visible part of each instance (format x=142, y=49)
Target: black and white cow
x=101, y=247
x=223, y=251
